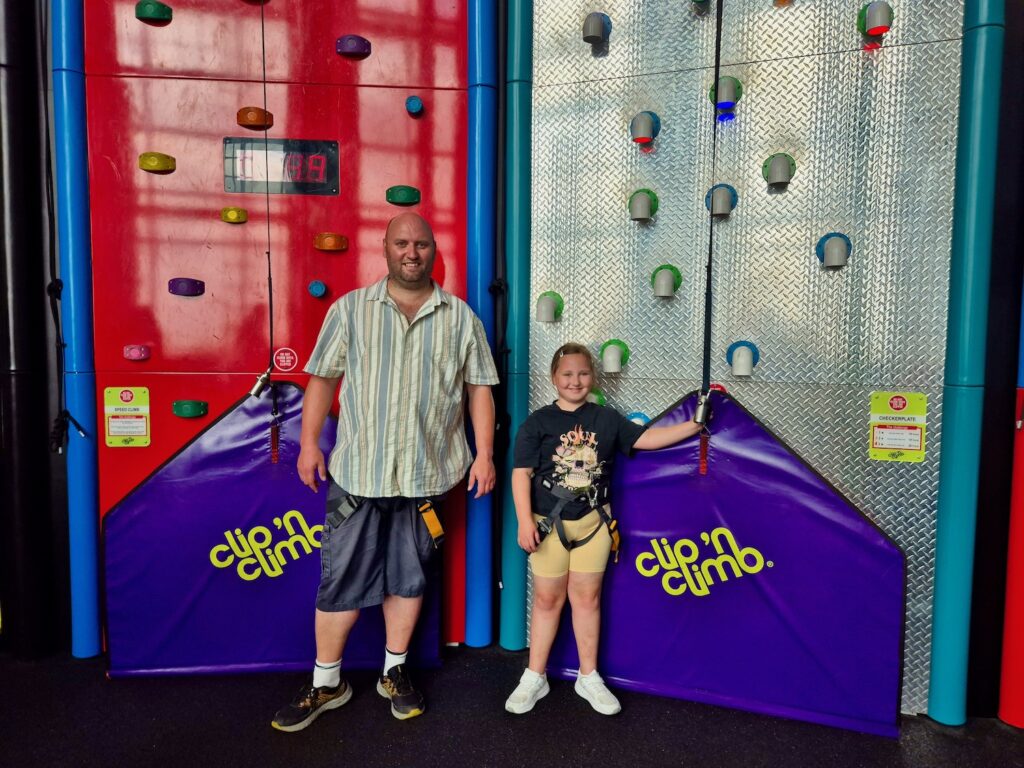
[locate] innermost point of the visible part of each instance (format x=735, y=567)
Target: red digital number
x=316, y=167
x=293, y=166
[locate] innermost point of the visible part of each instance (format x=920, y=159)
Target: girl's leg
x=584, y=591
x=548, y=599
x=585, y=598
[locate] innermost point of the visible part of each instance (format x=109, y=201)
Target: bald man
x=408, y=351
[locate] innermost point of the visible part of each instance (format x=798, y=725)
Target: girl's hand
x=529, y=538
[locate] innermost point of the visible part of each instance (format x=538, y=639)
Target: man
x=406, y=349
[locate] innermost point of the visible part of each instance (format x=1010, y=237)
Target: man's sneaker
x=307, y=706
x=592, y=688
x=406, y=701
x=531, y=689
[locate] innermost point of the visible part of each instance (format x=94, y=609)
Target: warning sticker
x=285, y=359
x=898, y=423
x=126, y=416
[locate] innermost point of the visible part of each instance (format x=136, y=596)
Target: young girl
x=563, y=458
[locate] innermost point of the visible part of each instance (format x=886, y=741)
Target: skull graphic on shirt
x=576, y=464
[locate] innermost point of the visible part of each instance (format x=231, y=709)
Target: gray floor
x=64, y=712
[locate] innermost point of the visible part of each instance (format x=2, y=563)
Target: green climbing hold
x=190, y=409
x=402, y=195
x=152, y=10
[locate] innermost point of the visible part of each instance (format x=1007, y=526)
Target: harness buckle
x=344, y=510
x=544, y=527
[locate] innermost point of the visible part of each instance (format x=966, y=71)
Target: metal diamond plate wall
x=652, y=36
x=646, y=37
x=758, y=30
x=875, y=161
x=585, y=246
x=874, y=138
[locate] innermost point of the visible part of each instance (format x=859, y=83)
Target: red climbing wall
x=175, y=89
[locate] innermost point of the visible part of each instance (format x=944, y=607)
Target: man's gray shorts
x=382, y=548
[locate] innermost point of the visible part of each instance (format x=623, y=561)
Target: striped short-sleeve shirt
x=400, y=428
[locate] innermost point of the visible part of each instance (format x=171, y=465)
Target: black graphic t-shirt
x=575, y=449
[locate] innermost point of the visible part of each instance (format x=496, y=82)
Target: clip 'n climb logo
x=687, y=567
x=255, y=554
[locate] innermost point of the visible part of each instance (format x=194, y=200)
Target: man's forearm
x=481, y=414
x=316, y=404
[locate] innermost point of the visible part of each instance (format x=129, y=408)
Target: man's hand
x=316, y=403
x=311, y=465
x=482, y=473
x=481, y=414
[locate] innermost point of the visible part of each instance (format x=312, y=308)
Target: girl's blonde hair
x=571, y=349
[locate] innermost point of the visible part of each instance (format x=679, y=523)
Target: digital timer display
x=281, y=166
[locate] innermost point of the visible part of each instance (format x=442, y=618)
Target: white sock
x=592, y=673
x=529, y=674
x=392, y=659
x=326, y=673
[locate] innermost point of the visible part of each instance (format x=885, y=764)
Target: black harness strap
x=564, y=496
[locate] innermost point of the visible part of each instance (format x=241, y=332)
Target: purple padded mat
x=794, y=600
x=185, y=594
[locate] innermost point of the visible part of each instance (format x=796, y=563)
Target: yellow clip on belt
x=432, y=521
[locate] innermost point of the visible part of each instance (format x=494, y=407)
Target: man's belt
x=425, y=507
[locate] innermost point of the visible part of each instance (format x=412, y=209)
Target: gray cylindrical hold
x=611, y=359
x=664, y=284
x=878, y=18
x=641, y=127
x=546, y=308
x=640, y=207
x=742, y=361
x=835, y=252
x=779, y=170
x=721, y=202
x=725, y=92
x=593, y=28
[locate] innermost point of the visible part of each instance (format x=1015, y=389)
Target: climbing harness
x=425, y=507
x=597, y=500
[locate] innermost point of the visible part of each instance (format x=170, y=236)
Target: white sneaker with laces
x=592, y=688
x=532, y=687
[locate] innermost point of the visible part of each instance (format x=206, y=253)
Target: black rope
x=706, y=365
x=266, y=195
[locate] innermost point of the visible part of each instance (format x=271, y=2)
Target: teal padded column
x=963, y=392
x=518, y=88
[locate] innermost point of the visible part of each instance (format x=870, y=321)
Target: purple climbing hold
x=186, y=286
x=353, y=46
